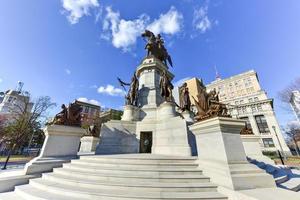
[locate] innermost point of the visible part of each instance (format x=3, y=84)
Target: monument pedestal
x=61, y=145
x=187, y=115
x=170, y=137
x=88, y=144
x=222, y=156
x=253, y=150
x=131, y=113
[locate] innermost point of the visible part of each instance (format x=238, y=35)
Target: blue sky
x=70, y=49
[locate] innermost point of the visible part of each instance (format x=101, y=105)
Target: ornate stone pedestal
x=131, y=113
x=88, y=144
x=170, y=136
x=222, y=156
x=187, y=115
x=61, y=145
x=166, y=110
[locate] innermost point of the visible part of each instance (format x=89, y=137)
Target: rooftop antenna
x=20, y=86
x=218, y=77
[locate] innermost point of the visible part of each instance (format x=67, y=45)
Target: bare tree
x=25, y=118
x=293, y=132
x=285, y=94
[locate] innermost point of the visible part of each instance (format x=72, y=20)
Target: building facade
x=247, y=100
x=90, y=113
x=13, y=100
x=110, y=114
x=295, y=103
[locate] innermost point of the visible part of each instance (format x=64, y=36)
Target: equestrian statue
x=155, y=47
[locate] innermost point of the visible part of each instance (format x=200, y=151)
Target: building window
x=262, y=124
x=241, y=101
x=268, y=142
x=250, y=100
x=248, y=124
x=255, y=98
x=86, y=109
x=236, y=102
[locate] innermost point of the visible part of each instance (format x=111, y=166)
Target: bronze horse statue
x=155, y=47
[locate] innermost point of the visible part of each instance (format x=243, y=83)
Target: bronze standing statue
x=184, y=95
x=166, y=87
x=132, y=94
x=155, y=47
x=208, y=105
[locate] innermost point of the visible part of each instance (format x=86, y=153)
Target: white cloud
x=168, y=23
x=111, y=90
x=91, y=101
x=68, y=71
x=201, y=22
x=124, y=33
x=75, y=9
x=181, y=81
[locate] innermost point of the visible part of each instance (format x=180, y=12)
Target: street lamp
x=274, y=128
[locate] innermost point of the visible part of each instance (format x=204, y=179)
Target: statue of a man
x=132, y=94
x=166, y=87
x=185, y=102
x=133, y=90
x=160, y=42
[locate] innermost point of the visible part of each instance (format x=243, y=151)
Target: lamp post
x=284, y=157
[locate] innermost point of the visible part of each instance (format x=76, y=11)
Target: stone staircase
x=116, y=177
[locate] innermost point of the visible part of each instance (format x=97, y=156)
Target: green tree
x=26, y=118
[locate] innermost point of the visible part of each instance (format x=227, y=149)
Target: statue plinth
x=188, y=116
x=61, y=145
x=166, y=110
x=253, y=150
x=131, y=113
x=88, y=144
x=222, y=156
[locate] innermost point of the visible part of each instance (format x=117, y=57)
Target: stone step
x=91, y=193
x=27, y=192
x=135, y=165
x=137, y=186
x=131, y=177
x=10, y=196
x=139, y=158
x=132, y=170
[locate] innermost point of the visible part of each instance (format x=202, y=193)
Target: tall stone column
x=169, y=131
x=149, y=97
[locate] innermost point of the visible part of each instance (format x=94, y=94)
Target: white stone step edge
x=133, y=177
x=58, y=188
x=32, y=193
x=128, y=185
x=133, y=170
x=130, y=165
